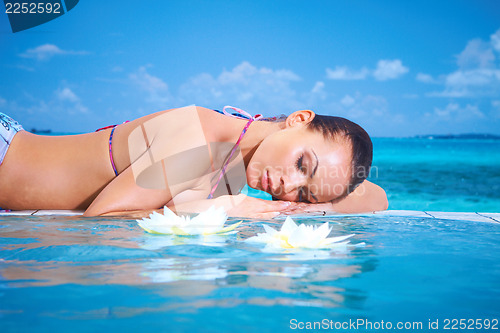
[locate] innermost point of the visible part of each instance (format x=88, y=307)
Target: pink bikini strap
x=113, y=127
x=250, y=120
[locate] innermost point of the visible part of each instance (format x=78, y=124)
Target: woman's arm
x=123, y=196
x=235, y=205
x=239, y=205
x=367, y=197
x=157, y=148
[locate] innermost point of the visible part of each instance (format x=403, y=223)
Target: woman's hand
x=309, y=208
x=235, y=206
x=245, y=206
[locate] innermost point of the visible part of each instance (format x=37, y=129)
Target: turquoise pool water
x=107, y=275
x=440, y=175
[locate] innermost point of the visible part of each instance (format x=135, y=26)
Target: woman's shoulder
x=198, y=120
x=185, y=115
x=217, y=126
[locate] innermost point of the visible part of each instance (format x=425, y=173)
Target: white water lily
x=292, y=236
x=208, y=222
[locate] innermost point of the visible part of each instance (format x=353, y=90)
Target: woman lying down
x=189, y=159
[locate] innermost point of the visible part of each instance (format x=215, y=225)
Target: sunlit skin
x=298, y=164
x=283, y=158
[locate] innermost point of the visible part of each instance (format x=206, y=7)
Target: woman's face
x=297, y=164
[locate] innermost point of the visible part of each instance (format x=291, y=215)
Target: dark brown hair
x=334, y=128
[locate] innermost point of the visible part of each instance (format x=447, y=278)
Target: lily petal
x=337, y=239
x=229, y=228
x=271, y=231
x=321, y=233
x=292, y=235
x=210, y=221
x=289, y=226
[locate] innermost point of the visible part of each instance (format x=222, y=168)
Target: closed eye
x=302, y=195
x=299, y=164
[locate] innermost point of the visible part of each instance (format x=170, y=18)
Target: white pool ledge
x=464, y=216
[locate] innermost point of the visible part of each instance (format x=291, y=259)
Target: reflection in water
x=157, y=242
x=53, y=270
x=189, y=273
x=174, y=269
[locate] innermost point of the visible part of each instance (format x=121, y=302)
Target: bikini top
x=239, y=114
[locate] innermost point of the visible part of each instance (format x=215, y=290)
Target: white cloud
x=389, y=69
x=25, y=68
x=316, y=94
x=453, y=112
x=309, y=99
x=477, y=54
x=386, y=70
x=67, y=99
x=347, y=100
x=42, y=52
x=496, y=108
x=477, y=77
x=344, y=73
x=156, y=88
x=376, y=106
x=495, y=40
x=271, y=92
x=318, y=87
x=361, y=108
x=471, y=83
x=478, y=72
x=246, y=85
x=47, y=51
x=425, y=78
x=147, y=81
x=67, y=94
x=51, y=112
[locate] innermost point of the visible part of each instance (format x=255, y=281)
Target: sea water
x=459, y=175
x=76, y=274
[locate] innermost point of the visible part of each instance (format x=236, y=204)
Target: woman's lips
x=265, y=181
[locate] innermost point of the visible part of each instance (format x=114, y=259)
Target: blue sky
x=398, y=68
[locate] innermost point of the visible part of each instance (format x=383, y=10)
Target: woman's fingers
x=266, y=216
x=260, y=208
x=280, y=205
x=264, y=206
x=299, y=208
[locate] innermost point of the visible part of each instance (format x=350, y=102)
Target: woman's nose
x=292, y=182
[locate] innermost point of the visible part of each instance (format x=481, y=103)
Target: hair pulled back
x=335, y=128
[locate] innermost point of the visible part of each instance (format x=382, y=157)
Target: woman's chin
x=253, y=183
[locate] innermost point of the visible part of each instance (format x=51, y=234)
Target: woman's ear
x=301, y=117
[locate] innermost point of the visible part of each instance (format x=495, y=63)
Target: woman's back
x=68, y=172
x=54, y=172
